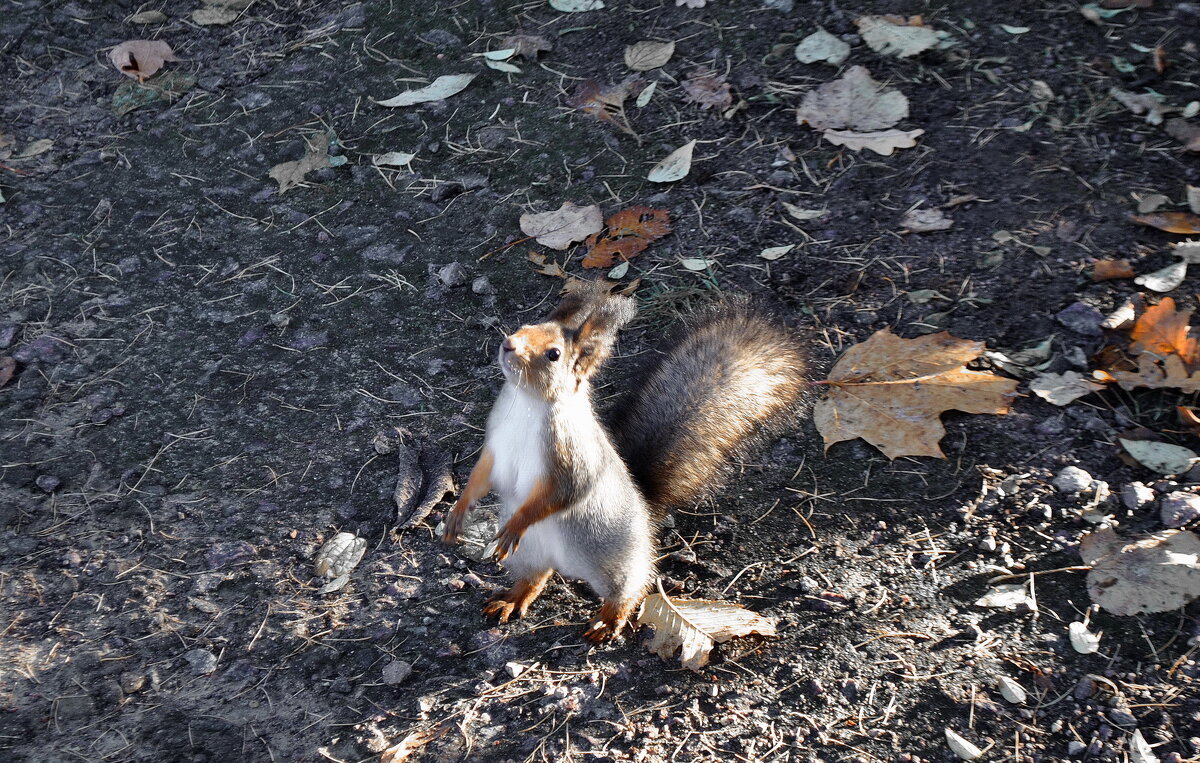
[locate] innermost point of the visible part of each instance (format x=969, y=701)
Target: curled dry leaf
x=692, y=627
x=140, y=59
x=892, y=391
x=147, y=17
x=1154, y=573
x=1062, y=389
x=648, y=54
x=1140, y=750
x=1011, y=690
x=291, y=174
x=1107, y=270
x=1171, y=222
x=926, y=220
x=884, y=142
x=773, y=253
x=855, y=101
x=440, y=89
x=1082, y=639
x=675, y=166
x=895, y=36
x=564, y=226
x=528, y=46
x=423, y=478
x=577, y=6
x=551, y=268
x=1007, y=596
x=393, y=159
x=338, y=558
x=402, y=750
x=708, y=89
x=1165, y=279
x=961, y=747
x=690, y=3
x=214, y=16
x=629, y=232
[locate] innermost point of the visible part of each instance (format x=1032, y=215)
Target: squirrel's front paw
x=508, y=541
x=453, y=526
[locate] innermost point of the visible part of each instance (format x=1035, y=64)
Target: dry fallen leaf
x=408, y=745
x=1061, y=389
x=604, y=102
x=1140, y=750
x=1082, y=639
x=1143, y=103
x=440, y=89
x=926, y=220
x=551, y=268
x=895, y=36
x=629, y=232
x=527, y=45
x=1185, y=132
x=1163, y=331
x=822, y=46
x=1156, y=573
x=892, y=391
x=691, y=627
x=140, y=59
x=1171, y=222
x=1165, y=279
x=8, y=366
x=883, y=142
x=648, y=54
x=564, y=226
x=708, y=89
x=675, y=166
x=1107, y=270
x=1161, y=457
x=291, y=174
x=855, y=101
x=964, y=749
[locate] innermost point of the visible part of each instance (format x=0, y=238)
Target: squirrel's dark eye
x=553, y=354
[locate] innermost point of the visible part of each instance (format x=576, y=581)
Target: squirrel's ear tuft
x=606, y=317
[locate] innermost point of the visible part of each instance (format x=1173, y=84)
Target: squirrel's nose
x=509, y=345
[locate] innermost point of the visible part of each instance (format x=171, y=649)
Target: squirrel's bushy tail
x=729, y=380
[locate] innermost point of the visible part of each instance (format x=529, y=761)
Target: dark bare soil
x=207, y=371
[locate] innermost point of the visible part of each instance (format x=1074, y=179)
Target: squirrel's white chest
x=516, y=437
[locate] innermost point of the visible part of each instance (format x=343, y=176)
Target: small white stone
x=514, y=668
x=1072, y=479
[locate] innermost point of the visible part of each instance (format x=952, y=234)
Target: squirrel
x=584, y=497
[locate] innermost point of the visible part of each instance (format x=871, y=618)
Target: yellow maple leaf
x=892, y=391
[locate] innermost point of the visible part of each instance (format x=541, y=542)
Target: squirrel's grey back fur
x=729, y=379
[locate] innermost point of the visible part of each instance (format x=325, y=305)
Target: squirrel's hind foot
x=610, y=621
x=516, y=599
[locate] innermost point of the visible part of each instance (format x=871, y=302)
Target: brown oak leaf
x=1163, y=331
x=628, y=234
x=605, y=102
x=1171, y=222
x=1106, y=270
x=892, y=391
x=708, y=89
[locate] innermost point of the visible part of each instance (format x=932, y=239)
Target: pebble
x=1122, y=717
x=1082, y=318
x=1176, y=509
x=231, y=552
x=1071, y=479
x=1135, y=495
x=483, y=287
x=48, y=482
x=1085, y=688
x=201, y=661
x=396, y=671
x=45, y=349
x=453, y=274
x=1075, y=748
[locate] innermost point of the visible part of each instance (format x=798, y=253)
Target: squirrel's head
x=554, y=358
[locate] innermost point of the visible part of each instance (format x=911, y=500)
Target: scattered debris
x=291, y=174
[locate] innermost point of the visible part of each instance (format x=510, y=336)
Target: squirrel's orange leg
x=539, y=505
x=518, y=598
x=478, y=485
x=610, y=621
